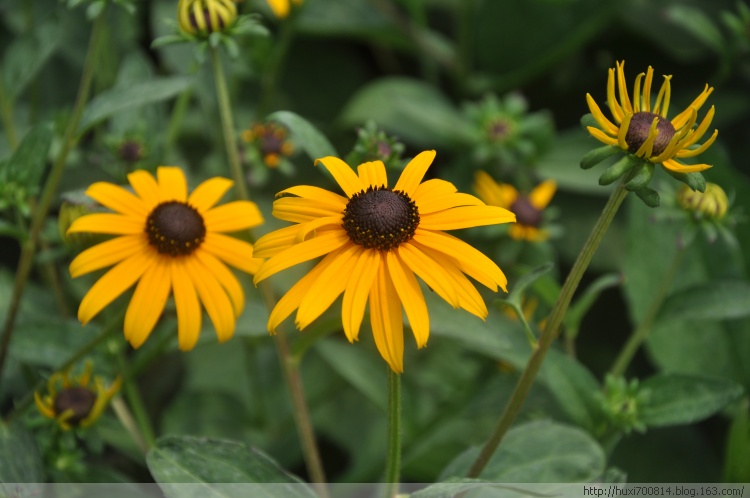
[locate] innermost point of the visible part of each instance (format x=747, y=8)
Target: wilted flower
x=203, y=17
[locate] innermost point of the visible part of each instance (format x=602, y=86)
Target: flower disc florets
x=525, y=212
x=640, y=128
x=380, y=218
x=175, y=228
x=79, y=400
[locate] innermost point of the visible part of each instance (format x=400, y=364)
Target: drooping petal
x=411, y=297
x=542, y=194
x=118, y=199
x=682, y=118
x=323, y=196
x=113, y=224
x=414, y=172
x=678, y=167
x=305, y=251
x=357, y=291
x=148, y=302
x=107, y=253
x=145, y=186
x=234, y=252
x=299, y=210
x=214, y=299
x=373, y=174
x=385, y=319
x=232, y=217
x=601, y=120
x=113, y=283
x=188, y=306
x=343, y=174
x=466, y=217
x=431, y=205
x=225, y=277
x=207, y=194
x=601, y=136
x=428, y=270
x=172, y=183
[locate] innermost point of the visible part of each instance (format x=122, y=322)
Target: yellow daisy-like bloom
x=528, y=209
x=167, y=241
x=72, y=402
x=644, y=130
x=281, y=8
x=711, y=204
x=202, y=17
x=375, y=240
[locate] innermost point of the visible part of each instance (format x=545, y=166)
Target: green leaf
x=119, y=99
x=567, y=150
x=210, y=413
x=649, y=196
x=695, y=181
x=411, y=109
x=27, y=163
x=676, y=399
x=49, y=342
x=539, y=451
x=699, y=24
x=27, y=55
x=526, y=280
x=716, y=300
x=187, y=459
x=641, y=177
x=581, y=306
x=304, y=134
x=455, y=487
x=618, y=169
x=358, y=367
x=19, y=457
x=737, y=461
x=595, y=156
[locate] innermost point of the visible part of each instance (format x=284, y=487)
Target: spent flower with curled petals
x=376, y=239
x=170, y=243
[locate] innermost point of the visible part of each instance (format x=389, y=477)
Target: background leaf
x=304, y=134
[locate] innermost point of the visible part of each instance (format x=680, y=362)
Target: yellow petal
x=698, y=132
x=465, y=217
x=623, y=132
x=343, y=174
x=357, y=291
x=614, y=106
x=113, y=283
x=117, y=199
x=225, y=277
x=411, y=297
x=678, y=167
x=234, y=252
x=623, y=89
x=187, y=304
x=373, y=174
x=233, y=216
x=172, y=183
x=433, y=188
x=207, y=194
x=637, y=93
x=429, y=205
x=214, y=299
x=107, y=253
x=385, y=319
x=601, y=120
x=646, y=105
x=434, y=275
x=145, y=186
x=43, y=408
x=682, y=118
x=312, y=227
x=299, y=210
x=323, y=196
x=115, y=224
x=414, y=172
x=699, y=150
x=305, y=251
x=542, y=194
x=601, y=136
x=274, y=242
x=148, y=302
x=280, y=8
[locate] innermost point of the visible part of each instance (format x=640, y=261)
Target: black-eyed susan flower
x=375, y=240
x=281, y=8
x=643, y=129
x=271, y=141
x=711, y=204
x=203, y=17
x=74, y=401
x=170, y=243
x=528, y=209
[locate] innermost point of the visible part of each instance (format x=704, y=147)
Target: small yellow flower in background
x=375, y=240
x=168, y=242
x=528, y=209
x=271, y=140
x=203, y=17
x=711, y=204
x=644, y=130
x=281, y=8
x=73, y=402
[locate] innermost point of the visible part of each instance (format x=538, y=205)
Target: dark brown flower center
x=175, y=228
x=640, y=124
x=78, y=399
x=380, y=218
x=526, y=213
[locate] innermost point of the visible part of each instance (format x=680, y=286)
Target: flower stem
x=6, y=110
x=125, y=416
x=50, y=188
x=393, y=461
x=551, y=330
x=135, y=400
x=227, y=123
x=642, y=331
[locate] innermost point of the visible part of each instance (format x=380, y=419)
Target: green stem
x=269, y=83
x=642, y=331
x=128, y=422
x=551, y=330
x=178, y=113
x=393, y=460
x=6, y=109
x=109, y=329
x=50, y=187
x=133, y=395
x=227, y=123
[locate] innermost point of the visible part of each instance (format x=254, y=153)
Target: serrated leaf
x=677, y=399
x=27, y=55
x=117, y=99
x=207, y=461
x=304, y=134
x=27, y=163
x=717, y=300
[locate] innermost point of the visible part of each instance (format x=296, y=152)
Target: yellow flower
x=281, y=8
x=271, y=141
x=72, y=402
x=644, y=130
x=167, y=241
x=375, y=240
x=203, y=17
x=711, y=204
x=528, y=209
